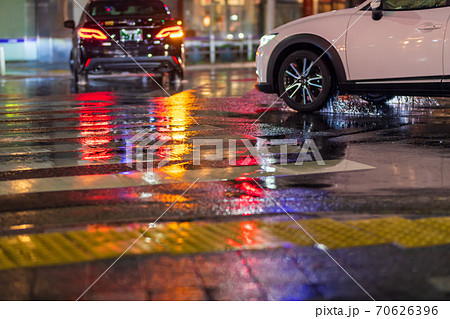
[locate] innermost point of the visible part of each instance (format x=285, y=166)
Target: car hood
x=314, y=18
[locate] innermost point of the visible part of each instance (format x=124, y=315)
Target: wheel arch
x=309, y=42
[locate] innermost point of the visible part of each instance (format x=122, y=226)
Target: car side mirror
x=377, y=9
x=70, y=24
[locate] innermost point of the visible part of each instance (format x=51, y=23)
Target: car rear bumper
x=135, y=64
x=265, y=87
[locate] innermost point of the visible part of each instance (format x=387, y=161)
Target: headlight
x=265, y=39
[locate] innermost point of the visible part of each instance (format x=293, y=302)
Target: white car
x=377, y=50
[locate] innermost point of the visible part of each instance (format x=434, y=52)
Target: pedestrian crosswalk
x=92, y=131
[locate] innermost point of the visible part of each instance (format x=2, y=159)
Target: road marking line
x=173, y=174
x=77, y=159
x=76, y=134
x=441, y=283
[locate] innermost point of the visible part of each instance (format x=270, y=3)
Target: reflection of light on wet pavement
x=248, y=193
x=95, y=126
x=175, y=111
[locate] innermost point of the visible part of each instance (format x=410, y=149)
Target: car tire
x=83, y=78
x=75, y=71
x=175, y=77
x=80, y=78
x=162, y=80
x=376, y=98
x=72, y=64
x=305, y=82
x=75, y=75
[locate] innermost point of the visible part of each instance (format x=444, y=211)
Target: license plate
x=131, y=35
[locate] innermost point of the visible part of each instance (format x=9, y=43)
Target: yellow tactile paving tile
x=440, y=223
x=208, y=237
x=5, y=262
x=289, y=232
x=406, y=232
x=102, y=242
x=325, y=231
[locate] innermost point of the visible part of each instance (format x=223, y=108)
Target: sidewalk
x=393, y=258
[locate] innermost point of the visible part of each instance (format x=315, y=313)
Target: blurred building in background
x=32, y=30
x=230, y=18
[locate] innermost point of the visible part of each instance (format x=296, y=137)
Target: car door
x=446, y=54
x=407, y=42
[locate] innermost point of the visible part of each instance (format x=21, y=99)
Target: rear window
x=127, y=8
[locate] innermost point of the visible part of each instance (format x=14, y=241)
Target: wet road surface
x=65, y=173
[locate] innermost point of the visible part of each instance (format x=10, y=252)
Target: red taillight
x=172, y=32
x=86, y=33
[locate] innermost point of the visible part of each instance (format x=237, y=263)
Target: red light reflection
x=246, y=161
x=249, y=192
x=95, y=125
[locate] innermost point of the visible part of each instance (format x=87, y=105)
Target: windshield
x=413, y=4
x=127, y=8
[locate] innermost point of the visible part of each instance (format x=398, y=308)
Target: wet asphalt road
x=72, y=143
x=47, y=131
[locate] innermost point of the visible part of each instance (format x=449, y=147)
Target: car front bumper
x=265, y=87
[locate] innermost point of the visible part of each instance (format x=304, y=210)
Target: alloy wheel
x=305, y=81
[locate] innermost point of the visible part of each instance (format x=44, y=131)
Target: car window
x=391, y=5
x=129, y=8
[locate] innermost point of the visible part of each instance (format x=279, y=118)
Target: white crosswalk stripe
x=172, y=174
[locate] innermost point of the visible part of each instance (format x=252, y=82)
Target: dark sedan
x=126, y=36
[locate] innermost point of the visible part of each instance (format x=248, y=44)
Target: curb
x=221, y=66
x=197, y=67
